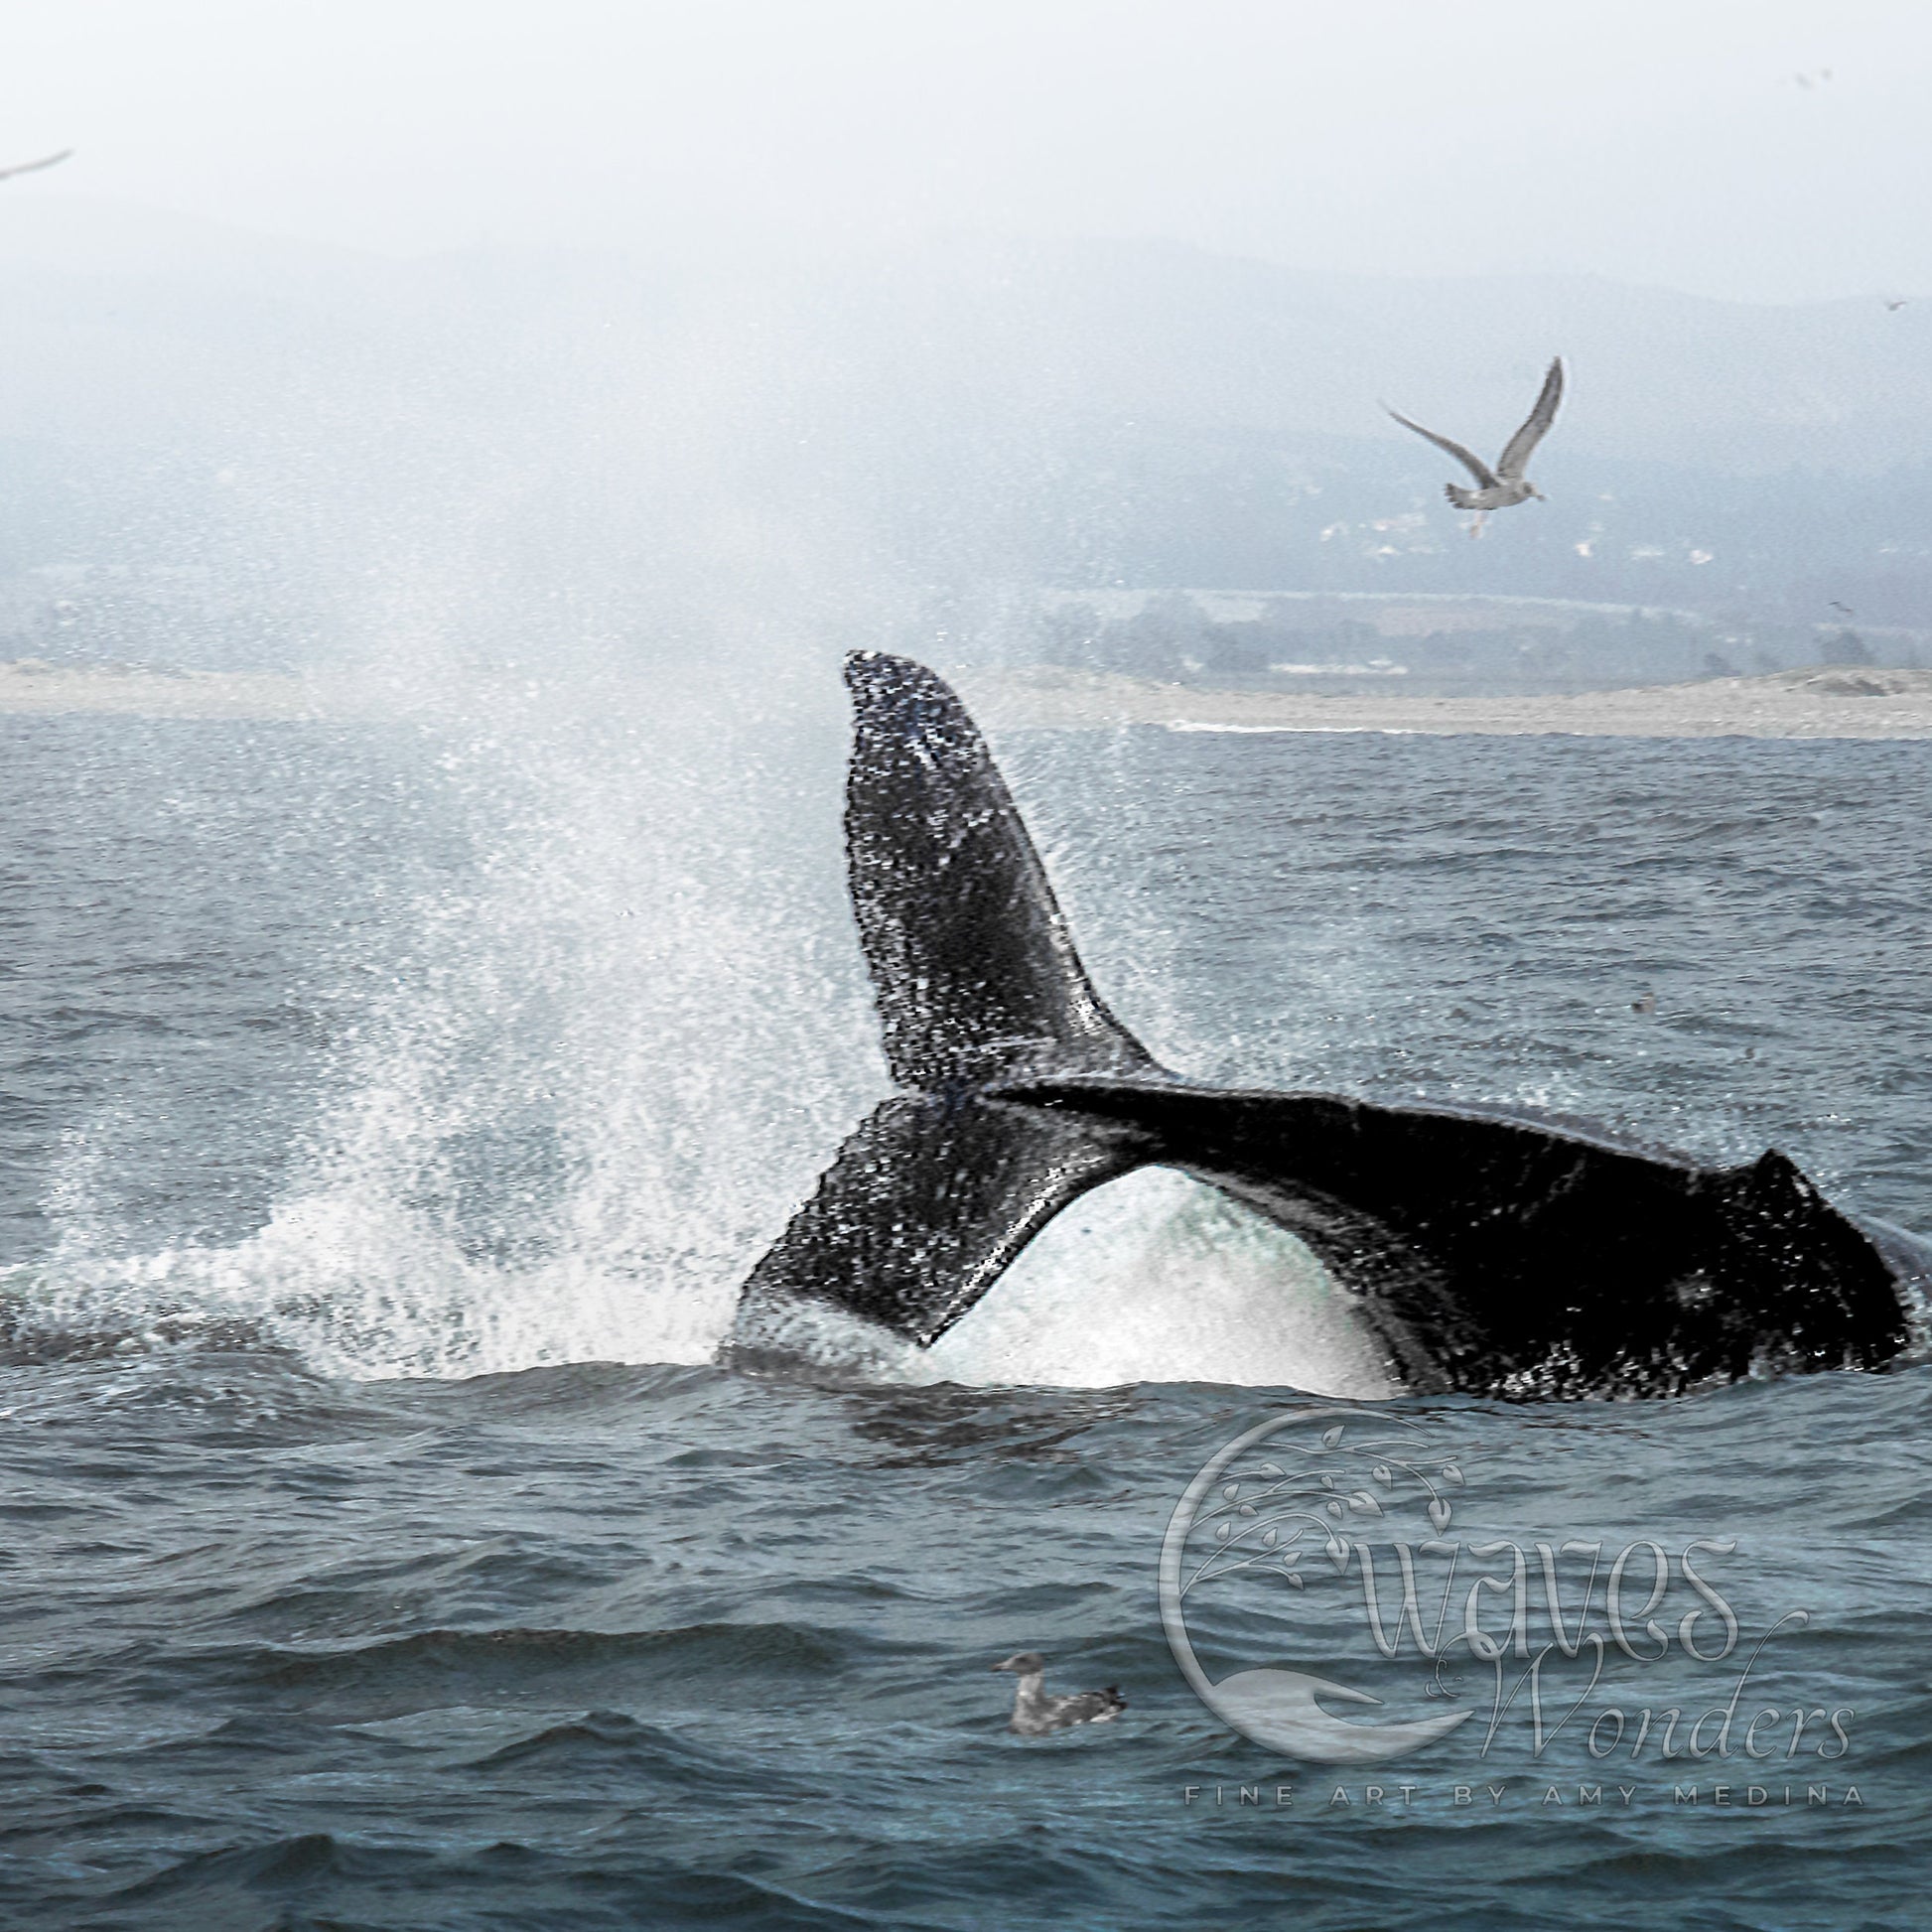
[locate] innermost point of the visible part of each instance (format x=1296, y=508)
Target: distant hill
x=225, y=449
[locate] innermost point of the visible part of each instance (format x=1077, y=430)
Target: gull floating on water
x=1498, y=488
x=1035, y=1713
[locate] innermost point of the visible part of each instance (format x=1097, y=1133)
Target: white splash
x=587, y=1068
x=1158, y=1278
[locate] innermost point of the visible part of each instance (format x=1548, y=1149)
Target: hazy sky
x=1656, y=140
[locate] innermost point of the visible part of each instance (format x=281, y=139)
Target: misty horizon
x=648, y=332
x=1767, y=152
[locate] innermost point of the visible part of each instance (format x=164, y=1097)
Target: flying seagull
x=33, y=167
x=1035, y=1713
x=1498, y=488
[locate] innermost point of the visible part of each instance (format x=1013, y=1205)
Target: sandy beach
x=1838, y=702
x=29, y=685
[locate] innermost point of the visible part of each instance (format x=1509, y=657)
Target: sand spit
x=30, y=685
x=1841, y=701
x=1845, y=701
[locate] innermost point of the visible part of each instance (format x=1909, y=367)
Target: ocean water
x=387, y=1116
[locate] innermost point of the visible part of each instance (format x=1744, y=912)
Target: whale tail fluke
x=978, y=984
x=1020, y=1091
x=928, y=1201
x=974, y=971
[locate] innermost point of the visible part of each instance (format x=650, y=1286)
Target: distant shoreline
x=30, y=686
x=1846, y=701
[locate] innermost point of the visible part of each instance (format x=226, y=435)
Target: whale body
x=1485, y=1251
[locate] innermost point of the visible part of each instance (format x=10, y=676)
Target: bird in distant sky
x=33, y=167
x=1897, y=302
x=1846, y=608
x=1498, y=488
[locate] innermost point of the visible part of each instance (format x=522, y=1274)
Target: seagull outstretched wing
x=33, y=167
x=1468, y=459
x=1522, y=445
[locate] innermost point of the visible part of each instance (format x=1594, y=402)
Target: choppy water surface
x=387, y=1118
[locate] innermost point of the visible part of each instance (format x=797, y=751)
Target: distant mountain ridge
x=940, y=427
